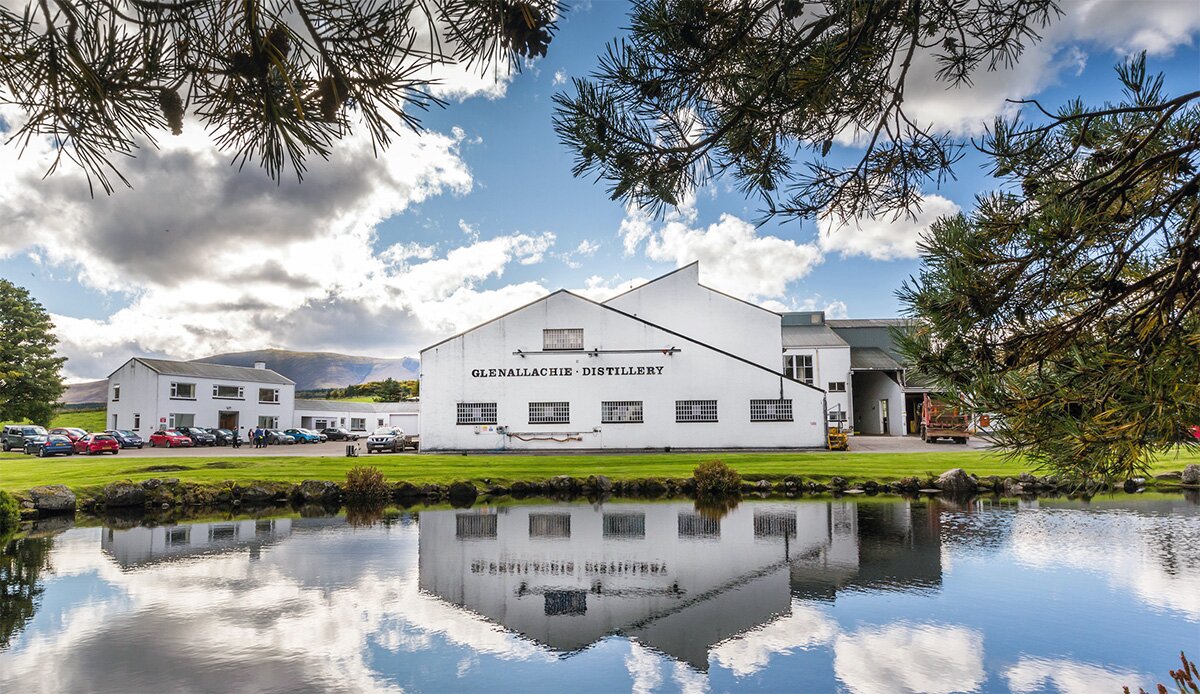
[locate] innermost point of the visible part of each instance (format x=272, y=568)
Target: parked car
x=225, y=437
x=15, y=435
x=302, y=436
x=318, y=434
x=72, y=433
x=199, y=436
x=338, y=434
x=46, y=446
x=387, y=439
x=169, y=438
x=126, y=438
x=278, y=436
x=91, y=444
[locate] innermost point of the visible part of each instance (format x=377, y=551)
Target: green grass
x=19, y=472
x=90, y=420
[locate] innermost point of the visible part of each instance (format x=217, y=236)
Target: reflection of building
x=674, y=579
x=145, y=545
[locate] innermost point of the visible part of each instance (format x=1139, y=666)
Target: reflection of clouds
x=644, y=667
x=928, y=658
x=1066, y=676
x=750, y=652
x=1148, y=554
x=689, y=681
x=280, y=623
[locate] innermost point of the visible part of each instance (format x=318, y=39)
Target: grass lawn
x=19, y=472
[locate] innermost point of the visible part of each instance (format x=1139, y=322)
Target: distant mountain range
x=310, y=370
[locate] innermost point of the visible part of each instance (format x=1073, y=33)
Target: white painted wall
x=829, y=364
x=680, y=303
x=869, y=388
x=139, y=395
x=696, y=372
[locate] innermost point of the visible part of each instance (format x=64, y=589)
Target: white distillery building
x=146, y=395
x=669, y=364
x=358, y=417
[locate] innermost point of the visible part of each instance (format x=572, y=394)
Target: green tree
x=271, y=80
x=22, y=563
x=30, y=372
x=1069, y=300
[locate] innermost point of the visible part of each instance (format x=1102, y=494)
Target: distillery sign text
x=569, y=371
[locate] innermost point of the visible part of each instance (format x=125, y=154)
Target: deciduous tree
x=30, y=371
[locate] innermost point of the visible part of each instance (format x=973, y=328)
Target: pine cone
x=333, y=93
x=172, y=108
x=279, y=39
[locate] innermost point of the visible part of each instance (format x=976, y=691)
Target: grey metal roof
x=218, y=372
x=872, y=359
x=811, y=336
x=868, y=322
x=371, y=407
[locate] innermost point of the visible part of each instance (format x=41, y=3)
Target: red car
x=169, y=438
x=70, y=432
x=91, y=444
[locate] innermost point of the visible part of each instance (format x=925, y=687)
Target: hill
x=310, y=370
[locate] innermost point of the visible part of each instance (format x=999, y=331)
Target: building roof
x=872, y=359
x=868, y=322
x=811, y=336
x=220, y=372
x=345, y=406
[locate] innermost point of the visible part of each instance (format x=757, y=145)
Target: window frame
x=274, y=391
x=550, y=412
x=693, y=418
x=831, y=388
x=241, y=392
x=562, y=345
x=769, y=410
x=173, y=420
x=482, y=410
x=175, y=390
x=116, y=392
x=609, y=407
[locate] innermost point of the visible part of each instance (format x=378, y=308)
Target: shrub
x=715, y=478
x=365, y=483
x=10, y=512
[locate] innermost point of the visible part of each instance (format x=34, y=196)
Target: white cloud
x=935, y=659
x=599, y=288
x=560, y=78
x=645, y=667
x=752, y=651
x=1067, y=677
x=883, y=238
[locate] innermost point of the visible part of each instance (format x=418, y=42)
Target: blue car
x=303, y=436
x=46, y=446
x=126, y=438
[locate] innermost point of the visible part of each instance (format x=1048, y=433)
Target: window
x=476, y=413
x=228, y=392
x=550, y=525
x=217, y=533
x=770, y=524
x=178, y=536
x=799, y=367
x=837, y=387
x=621, y=411
x=116, y=392
x=181, y=419
x=474, y=526
x=268, y=422
x=696, y=525
x=137, y=421
x=358, y=423
x=183, y=391
x=695, y=410
x=549, y=412
x=770, y=410
x=562, y=338
x=268, y=395
x=837, y=416
x=625, y=525
x=379, y=422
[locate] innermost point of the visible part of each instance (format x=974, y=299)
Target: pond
x=827, y=595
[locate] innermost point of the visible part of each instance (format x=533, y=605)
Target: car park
x=278, y=436
x=169, y=438
x=126, y=438
x=302, y=436
x=73, y=433
x=48, y=445
x=225, y=437
x=339, y=434
x=16, y=435
x=318, y=434
x=199, y=436
x=92, y=444
x=387, y=439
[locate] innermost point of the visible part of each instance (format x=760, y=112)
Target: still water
x=811, y=596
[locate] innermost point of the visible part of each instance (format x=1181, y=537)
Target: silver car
x=387, y=439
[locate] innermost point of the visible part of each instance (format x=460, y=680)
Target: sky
x=384, y=255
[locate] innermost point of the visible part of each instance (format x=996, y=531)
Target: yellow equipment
x=838, y=439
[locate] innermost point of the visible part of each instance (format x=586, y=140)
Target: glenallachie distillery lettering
x=569, y=371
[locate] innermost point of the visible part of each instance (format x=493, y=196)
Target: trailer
x=940, y=420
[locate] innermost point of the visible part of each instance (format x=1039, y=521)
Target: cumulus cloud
x=935, y=659
x=883, y=238
x=1066, y=676
x=560, y=77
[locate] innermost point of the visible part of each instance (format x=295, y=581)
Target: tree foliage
x=1069, y=300
x=30, y=372
x=762, y=90
x=271, y=80
x=22, y=565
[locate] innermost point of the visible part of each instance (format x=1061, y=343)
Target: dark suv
x=199, y=436
x=14, y=435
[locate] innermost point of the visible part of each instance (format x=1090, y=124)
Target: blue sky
x=477, y=216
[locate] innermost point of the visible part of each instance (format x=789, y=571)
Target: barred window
x=837, y=387
x=772, y=524
x=550, y=525
x=549, y=412
x=695, y=410
x=837, y=416
x=696, y=525
x=562, y=338
x=621, y=411
x=476, y=413
x=474, y=526
x=770, y=410
x=799, y=367
x=628, y=526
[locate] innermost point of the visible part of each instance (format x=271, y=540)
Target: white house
x=359, y=417
x=670, y=364
x=146, y=395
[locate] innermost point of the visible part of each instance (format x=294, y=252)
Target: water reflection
x=813, y=596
